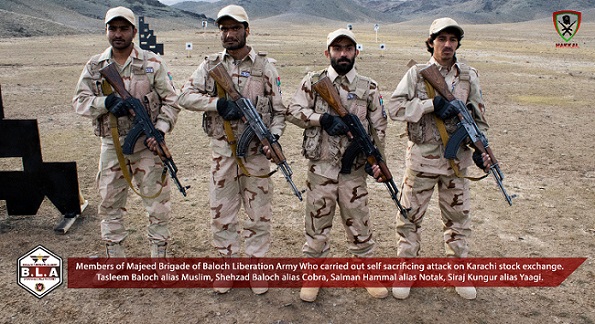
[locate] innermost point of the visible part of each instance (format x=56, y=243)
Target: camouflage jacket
x=411, y=103
x=256, y=79
x=360, y=96
x=145, y=76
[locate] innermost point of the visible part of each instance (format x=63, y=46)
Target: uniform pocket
x=311, y=144
x=212, y=124
x=152, y=103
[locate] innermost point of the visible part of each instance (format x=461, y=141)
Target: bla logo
x=39, y=271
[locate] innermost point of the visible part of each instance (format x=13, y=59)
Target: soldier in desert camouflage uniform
x=237, y=181
x=147, y=78
x=325, y=142
x=414, y=103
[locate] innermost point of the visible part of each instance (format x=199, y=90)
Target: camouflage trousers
x=454, y=202
x=229, y=190
x=350, y=192
x=146, y=170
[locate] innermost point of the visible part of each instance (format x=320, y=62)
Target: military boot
x=159, y=250
x=258, y=285
x=376, y=289
x=402, y=286
x=309, y=294
x=222, y=286
x=377, y=292
x=114, y=250
x=467, y=292
x=401, y=292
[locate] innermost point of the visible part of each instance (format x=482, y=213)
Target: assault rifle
x=358, y=134
x=142, y=124
x=256, y=125
x=467, y=128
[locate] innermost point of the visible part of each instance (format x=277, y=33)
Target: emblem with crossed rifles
x=566, y=25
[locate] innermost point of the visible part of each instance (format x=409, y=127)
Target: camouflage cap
x=442, y=23
x=234, y=12
x=341, y=32
x=120, y=12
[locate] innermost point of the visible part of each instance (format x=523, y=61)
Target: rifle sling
x=444, y=137
x=231, y=140
x=106, y=88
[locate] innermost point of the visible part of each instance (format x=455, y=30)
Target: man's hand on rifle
x=374, y=171
x=116, y=105
x=482, y=160
x=266, y=150
x=444, y=109
x=152, y=144
x=228, y=109
x=333, y=125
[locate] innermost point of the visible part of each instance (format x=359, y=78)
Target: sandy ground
x=542, y=124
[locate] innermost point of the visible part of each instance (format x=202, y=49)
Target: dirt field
x=542, y=124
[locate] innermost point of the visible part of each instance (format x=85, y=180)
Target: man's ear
x=430, y=42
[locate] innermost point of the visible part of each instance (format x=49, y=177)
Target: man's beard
x=340, y=68
x=241, y=42
x=120, y=43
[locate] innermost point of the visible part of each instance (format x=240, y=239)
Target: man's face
x=342, y=53
x=120, y=33
x=233, y=34
x=445, y=46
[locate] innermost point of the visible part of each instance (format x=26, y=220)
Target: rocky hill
x=470, y=11
x=24, y=18
x=341, y=10
x=479, y=11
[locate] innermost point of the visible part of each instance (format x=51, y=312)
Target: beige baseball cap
x=233, y=11
x=442, y=23
x=342, y=32
x=120, y=12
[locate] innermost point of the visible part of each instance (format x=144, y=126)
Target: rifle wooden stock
x=327, y=91
x=433, y=76
x=111, y=74
x=223, y=79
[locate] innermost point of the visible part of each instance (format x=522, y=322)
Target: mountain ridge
x=26, y=18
